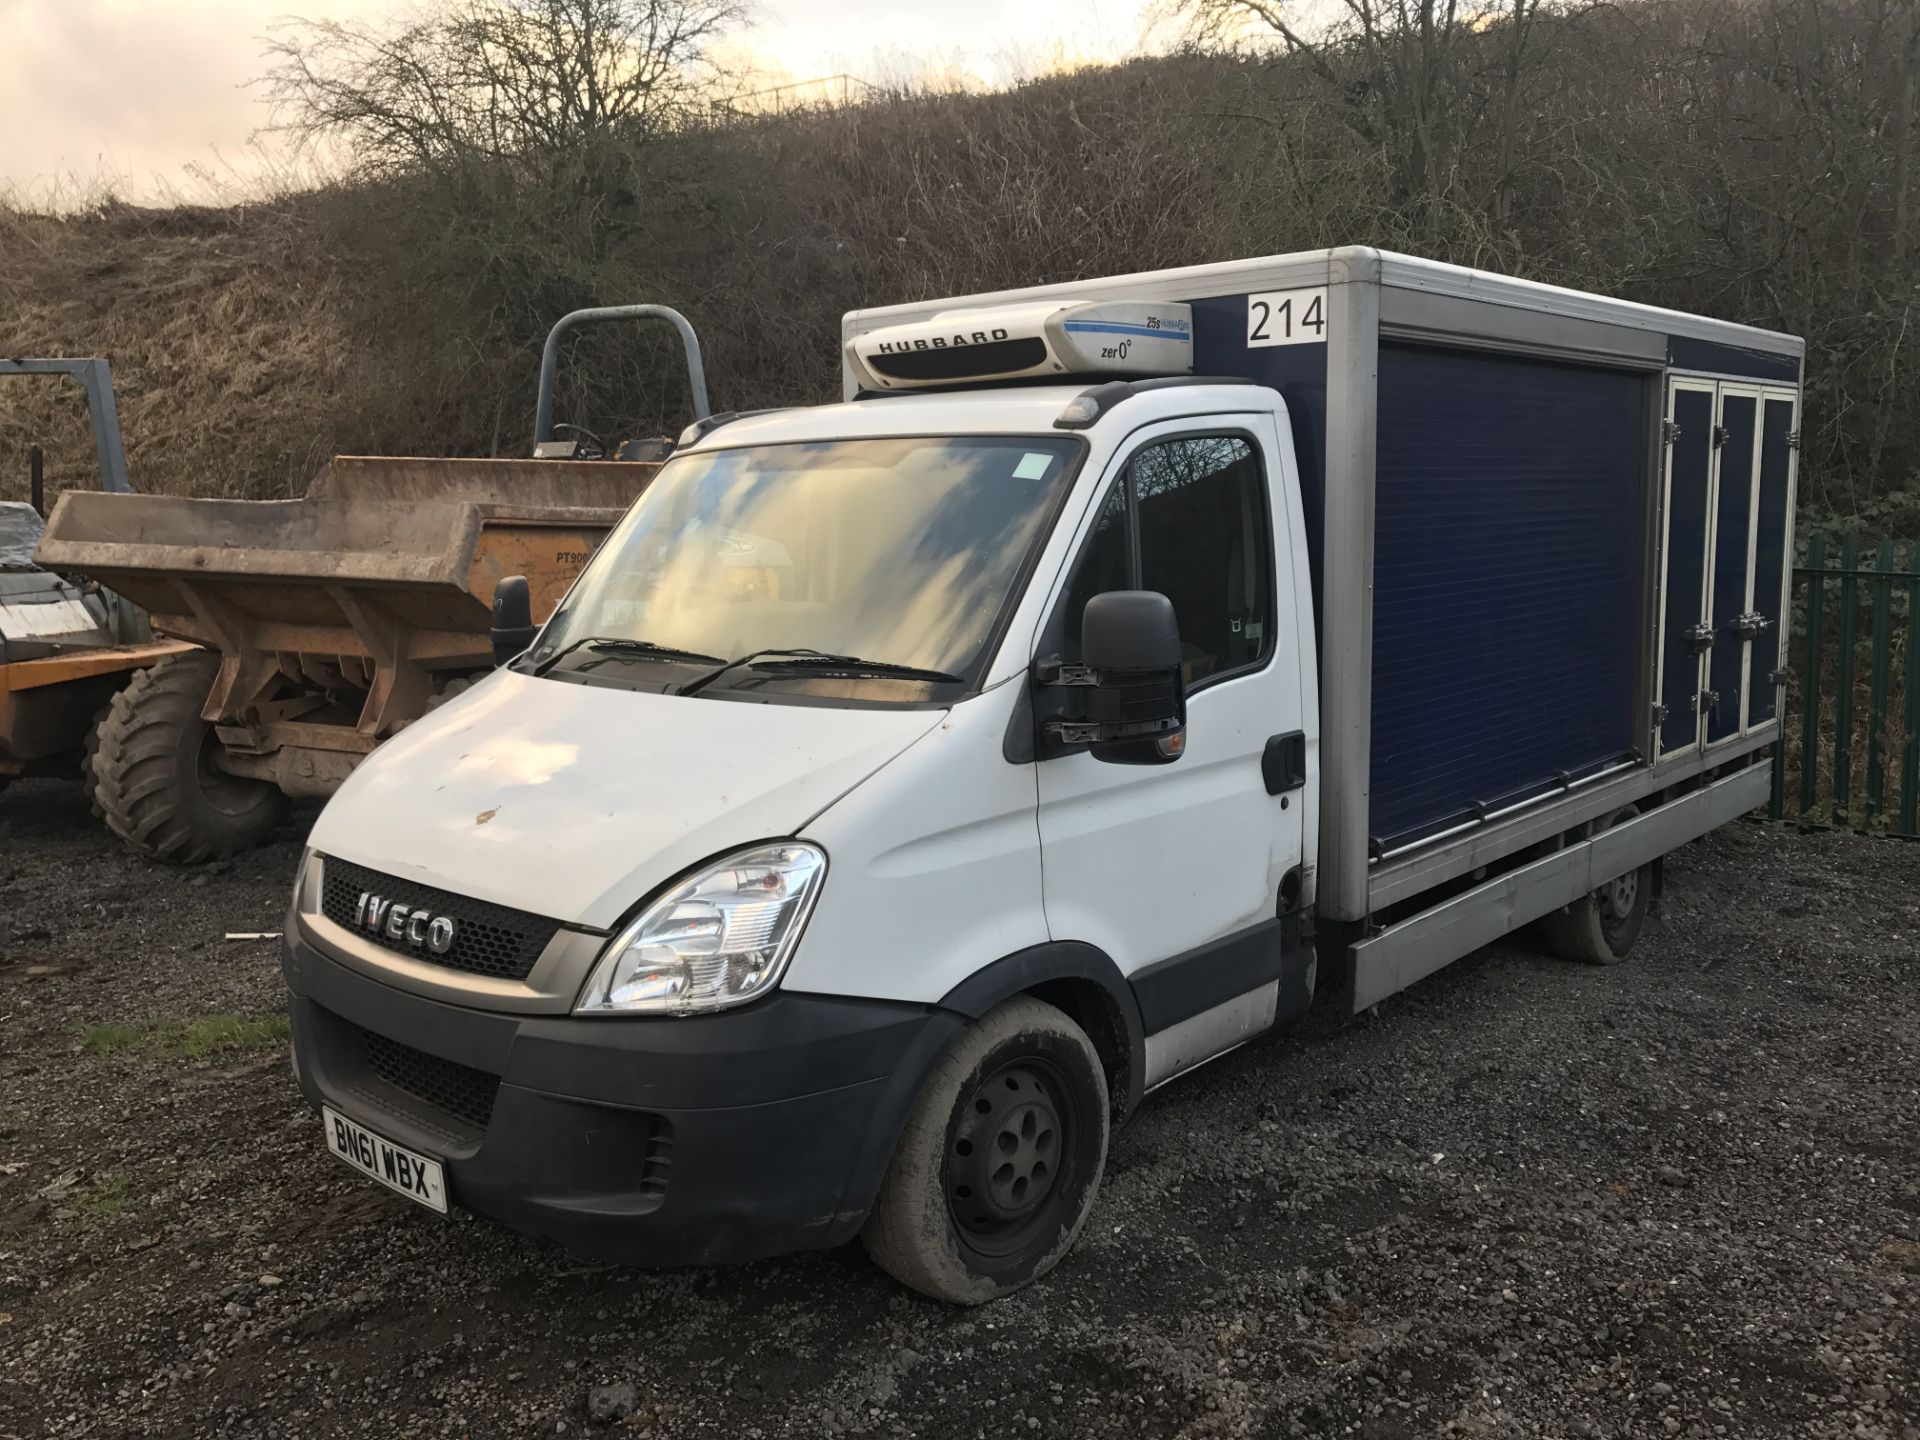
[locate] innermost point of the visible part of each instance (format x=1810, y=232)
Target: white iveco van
x=908, y=785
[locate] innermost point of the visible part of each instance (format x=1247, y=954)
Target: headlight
x=717, y=939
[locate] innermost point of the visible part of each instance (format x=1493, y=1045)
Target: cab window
x=1198, y=506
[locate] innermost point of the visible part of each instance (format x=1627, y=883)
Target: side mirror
x=1130, y=678
x=513, y=627
x=1129, y=632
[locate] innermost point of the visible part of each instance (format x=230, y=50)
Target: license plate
x=394, y=1166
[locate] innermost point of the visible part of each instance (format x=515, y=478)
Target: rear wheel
x=1599, y=929
x=156, y=773
x=1000, y=1161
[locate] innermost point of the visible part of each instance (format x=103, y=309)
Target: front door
x=1176, y=870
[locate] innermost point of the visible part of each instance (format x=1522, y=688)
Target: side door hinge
x=1720, y=436
x=1669, y=432
x=1793, y=439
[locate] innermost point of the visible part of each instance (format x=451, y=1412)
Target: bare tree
x=1417, y=79
x=491, y=81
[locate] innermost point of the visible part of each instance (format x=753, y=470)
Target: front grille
x=460, y=1090
x=488, y=939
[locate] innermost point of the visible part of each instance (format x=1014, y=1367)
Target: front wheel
x=1000, y=1161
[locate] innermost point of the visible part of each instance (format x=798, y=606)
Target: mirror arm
x=1052, y=672
x=1074, y=732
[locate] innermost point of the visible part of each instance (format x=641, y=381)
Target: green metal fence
x=1850, y=756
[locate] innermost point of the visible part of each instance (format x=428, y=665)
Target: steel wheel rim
x=1005, y=1169
x=1620, y=896
x=231, y=795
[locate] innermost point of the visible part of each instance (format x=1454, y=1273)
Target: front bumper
x=644, y=1140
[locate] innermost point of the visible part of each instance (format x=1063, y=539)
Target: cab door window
x=1198, y=506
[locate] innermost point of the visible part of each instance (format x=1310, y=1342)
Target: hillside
x=1706, y=155
x=223, y=328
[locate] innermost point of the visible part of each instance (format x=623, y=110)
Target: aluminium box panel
x=1509, y=572
x=1723, y=702
x=1759, y=355
x=1729, y=499
x=1689, y=492
x=1773, y=523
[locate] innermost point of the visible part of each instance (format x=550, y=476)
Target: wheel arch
x=1082, y=981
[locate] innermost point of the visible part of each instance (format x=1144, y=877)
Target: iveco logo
x=418, y=928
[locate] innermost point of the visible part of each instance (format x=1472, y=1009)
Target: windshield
x=900, y=552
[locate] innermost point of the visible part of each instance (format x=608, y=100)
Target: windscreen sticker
x=1033, y=465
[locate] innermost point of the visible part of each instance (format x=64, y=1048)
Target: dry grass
x=194, y=1039
x=221, y=328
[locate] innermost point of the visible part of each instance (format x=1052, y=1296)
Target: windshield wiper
x=617, y=645
x=818, y=662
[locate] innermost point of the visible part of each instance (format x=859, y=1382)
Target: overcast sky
x=152, y=94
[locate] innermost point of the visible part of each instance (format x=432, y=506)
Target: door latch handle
x=1750, y=624
x=1700, y=637
x=1283, y=764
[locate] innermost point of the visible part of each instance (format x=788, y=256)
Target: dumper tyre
x=89, y=782
x=1599, y=929
x=155, y=773
x=1000, y=1161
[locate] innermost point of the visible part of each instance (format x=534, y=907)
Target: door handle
x=1283, y=764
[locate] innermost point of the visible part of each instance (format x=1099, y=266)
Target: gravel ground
x=1674, y=1197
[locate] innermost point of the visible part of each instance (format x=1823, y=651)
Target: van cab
x=784, y=881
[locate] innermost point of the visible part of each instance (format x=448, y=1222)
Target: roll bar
x=550, y=356
x=96, y=378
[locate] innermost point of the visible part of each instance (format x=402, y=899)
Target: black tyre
x=1000, y=1161
x=89, y=782
x=156, y=775
x=1600, y=928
